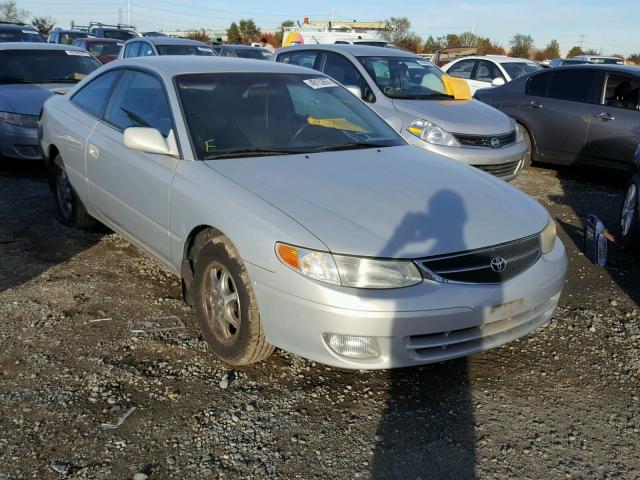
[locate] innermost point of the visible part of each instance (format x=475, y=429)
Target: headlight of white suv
x=519, y=133
x=432, y=133
x=349, y=271
x=19, y=119
x=548, y=236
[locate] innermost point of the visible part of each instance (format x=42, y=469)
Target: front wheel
x=527, y=138
x=629, y=213
x=226, y=306
x=70, y=208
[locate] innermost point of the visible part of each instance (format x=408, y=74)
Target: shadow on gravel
x=427, y=428
x=31, y=238
x=587, y=192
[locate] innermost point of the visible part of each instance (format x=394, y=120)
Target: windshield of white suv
x=406, y=77
x=45, y=66
x=259, y=114
x=519, y=69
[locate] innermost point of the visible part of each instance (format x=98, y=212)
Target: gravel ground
x=93, y=333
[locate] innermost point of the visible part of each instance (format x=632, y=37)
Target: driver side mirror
x=150, y=140
x=355, y=90
x=497, y=82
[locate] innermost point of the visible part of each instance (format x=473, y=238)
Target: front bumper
x=19, y=142
x=425, y=323
x=504, y=162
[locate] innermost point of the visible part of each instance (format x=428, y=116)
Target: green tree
x=553, y=49
x=487, y=47
x=432, y=45
x=411, y=43
x=43, y=24
x=574, y=52
x=521, y=45
x=453, y=40
x=249, y=31
x=9, y=12
x=400, y=27
x=233, y=33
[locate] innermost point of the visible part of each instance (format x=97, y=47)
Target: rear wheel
x=70, y=208
x=225, y=304
x=629, y=213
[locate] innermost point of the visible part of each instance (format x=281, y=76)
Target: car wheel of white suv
x=225, y=304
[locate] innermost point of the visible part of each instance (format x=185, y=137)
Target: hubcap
x=221, y=302
x=628, y=209
x=64, y=193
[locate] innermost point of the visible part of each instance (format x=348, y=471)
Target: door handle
x=534, y=104
x=93, y=150
x=604, y=116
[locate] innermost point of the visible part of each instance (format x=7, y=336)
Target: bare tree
x=199, y=35
x=9, y=12
x=43, y=24
x=521, y=45
x=400, y=28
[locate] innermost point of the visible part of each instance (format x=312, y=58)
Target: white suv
x=489, y=71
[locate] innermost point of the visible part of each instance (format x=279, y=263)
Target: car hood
x=399, y=202
x=470, y=117
x=28, y=99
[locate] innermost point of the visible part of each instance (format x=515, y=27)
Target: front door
x=128, y=187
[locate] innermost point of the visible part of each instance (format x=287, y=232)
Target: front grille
x=475, y=266
x=486, y=141
x=500, y=169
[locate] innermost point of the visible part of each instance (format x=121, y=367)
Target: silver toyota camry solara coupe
x=296, y=217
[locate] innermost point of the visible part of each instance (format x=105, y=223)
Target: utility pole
x=128, y=12
x=119, y=15
x=581, y=41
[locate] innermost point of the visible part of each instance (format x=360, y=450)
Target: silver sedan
x=296, y=217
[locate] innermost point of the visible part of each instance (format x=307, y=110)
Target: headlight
x=432, y=133
x=548, y=236
x=519, y=133
x=349, y=271
x=19, y=120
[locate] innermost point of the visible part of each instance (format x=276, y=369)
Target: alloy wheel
x=64, y=193
x=221, y=302
x=628, y=209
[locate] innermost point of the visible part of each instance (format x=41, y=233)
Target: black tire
x=71, y=210
x=242, y=343
x=527, y=138
x=629, y=215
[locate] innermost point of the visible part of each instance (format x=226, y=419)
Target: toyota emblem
x=495, y=142
x=498, y=264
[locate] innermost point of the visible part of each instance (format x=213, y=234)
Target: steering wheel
x=295, y=136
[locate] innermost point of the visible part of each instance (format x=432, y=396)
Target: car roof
x=101, y=40
x=355, y=50
x=610, y=66
x=37, y=46
x=240, y=46
x=170, y=41
x=495, y=58
x=16, y=26
x=170, y=65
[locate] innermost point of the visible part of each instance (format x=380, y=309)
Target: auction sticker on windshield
x=77, y=53
x=322, y=82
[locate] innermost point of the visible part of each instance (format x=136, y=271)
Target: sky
x=609, y=26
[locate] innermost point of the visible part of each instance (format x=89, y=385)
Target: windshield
x=45, y=66
x=519, y=69
x=405, y=77
x=17, y=35
x=251, y=114
x=255, y=53
x=119, y=34
x=104, y=49
x=184, y=50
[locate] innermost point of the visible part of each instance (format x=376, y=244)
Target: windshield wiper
x=15, y=80
x=249, y=152
x=59, y=80
x=348, y=146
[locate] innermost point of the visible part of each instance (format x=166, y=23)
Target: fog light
x=353, y=347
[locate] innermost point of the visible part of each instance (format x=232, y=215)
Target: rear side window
x=487, y=71
x=140, y=101
x=462, y=69
x=622, y=92
x=572, y=85
x=538, y=85
x=147, y=50
x=303, y=59
x=132, y=50
x=93, y=96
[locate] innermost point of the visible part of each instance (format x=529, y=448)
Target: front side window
x=184, y=50
x=146, y=50
x=93, y=96
x=487, y=71
x=139, y=101
x=572, y=85
x=45, y=66
x=462, y=69
x=255, y=53
x=339, y=68
x=242, y=115
x=622, y=92
x=406, y=77
x=520, y=69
